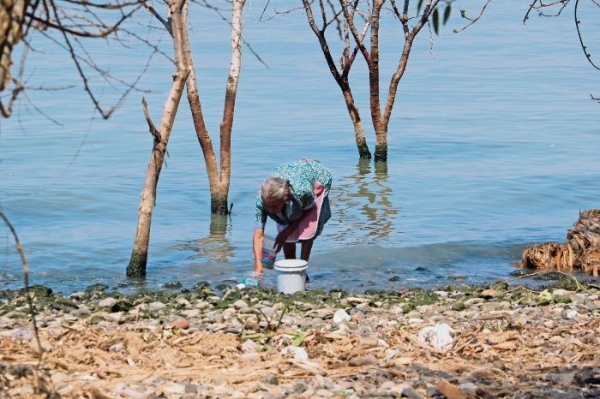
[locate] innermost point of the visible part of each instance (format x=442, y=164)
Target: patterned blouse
x=301, y=176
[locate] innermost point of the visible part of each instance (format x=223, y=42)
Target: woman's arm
x=257, y=246
x=290, y=228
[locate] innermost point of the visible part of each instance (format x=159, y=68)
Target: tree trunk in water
x=379, y=124
x=139, y=254
x=341, y=76
x=218, y=204
x=381, y=148
x=359, y=129
x=218, y=179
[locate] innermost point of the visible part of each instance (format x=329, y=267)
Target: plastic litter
x=268, y=252
x=340, y=315
x=439, y=336
x=251, y=281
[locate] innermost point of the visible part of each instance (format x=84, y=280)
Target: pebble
x=180, y=323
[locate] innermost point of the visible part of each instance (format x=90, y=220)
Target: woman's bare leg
x=289, y=250
x=306, y=248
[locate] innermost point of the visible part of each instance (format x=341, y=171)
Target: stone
x=180, y=323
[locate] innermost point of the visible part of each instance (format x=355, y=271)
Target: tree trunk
x=359, y=129
x=379, y=125
x=368, y=13
x=139, y=255
x=218, y=180
x=12, y=17
x=341, y=78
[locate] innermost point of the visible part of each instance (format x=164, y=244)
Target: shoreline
x=495, y=340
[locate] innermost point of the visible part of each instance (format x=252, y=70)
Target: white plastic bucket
x=292, y=275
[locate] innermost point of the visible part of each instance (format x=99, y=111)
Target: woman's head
x=274, y=193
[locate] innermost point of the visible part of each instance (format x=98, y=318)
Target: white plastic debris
x=340, y=316
x=439, y=336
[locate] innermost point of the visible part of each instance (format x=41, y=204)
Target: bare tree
x=67, y=24
x=176, y=24
x=358, y=24
x=219, y=179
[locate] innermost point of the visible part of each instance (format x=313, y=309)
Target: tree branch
x=463, y=14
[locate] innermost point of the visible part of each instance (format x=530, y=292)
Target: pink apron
x=308, y=225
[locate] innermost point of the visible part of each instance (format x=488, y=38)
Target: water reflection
x=365, y=193
x=215, y=247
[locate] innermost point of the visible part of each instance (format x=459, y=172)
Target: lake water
x=493, y=146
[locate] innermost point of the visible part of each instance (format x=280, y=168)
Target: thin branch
x=218, y=11
x=6, y=111
x=26, y=281
x=583, y=47
x=42, y=24
x=463, y=14
x=167, y=23
x=151, y=126
x=539, y=5
x=358, y=37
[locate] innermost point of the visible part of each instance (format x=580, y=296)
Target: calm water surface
x=493, y=147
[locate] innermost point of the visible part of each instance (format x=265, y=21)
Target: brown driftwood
x=581, y=252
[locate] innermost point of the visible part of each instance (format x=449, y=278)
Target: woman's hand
x=282, y=237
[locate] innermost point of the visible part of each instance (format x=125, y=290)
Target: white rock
x=155, y=306
x=107, y=302
x=249, y=346
x=571, y=314
x=118, y=347
x=296, y=351
x=202, y=305
x=240, y=304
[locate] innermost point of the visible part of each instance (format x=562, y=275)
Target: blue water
x=493, y=146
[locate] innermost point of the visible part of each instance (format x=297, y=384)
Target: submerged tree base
x=219, y=206
x=381, y=153
x=137, y=264
x=363, y=150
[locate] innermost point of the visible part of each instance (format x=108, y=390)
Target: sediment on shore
x=496, y=341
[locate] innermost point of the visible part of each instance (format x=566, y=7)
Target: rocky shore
x=498, y=341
